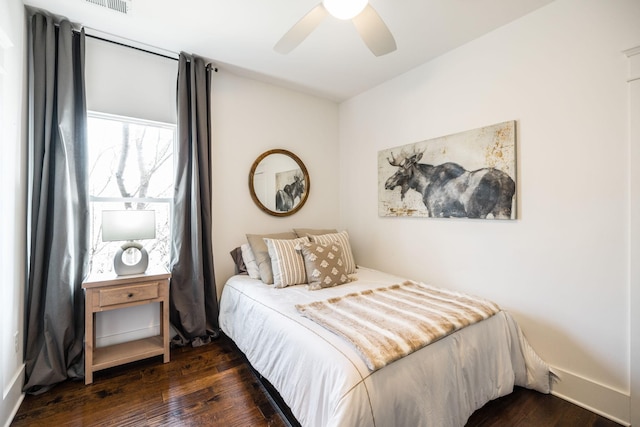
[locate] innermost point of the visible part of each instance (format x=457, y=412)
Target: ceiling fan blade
x=374, y=32
x=301, y=29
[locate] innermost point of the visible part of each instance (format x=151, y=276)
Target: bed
x=325, y=382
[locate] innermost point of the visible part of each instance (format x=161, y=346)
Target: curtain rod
x=93, y=36
x=130, y=47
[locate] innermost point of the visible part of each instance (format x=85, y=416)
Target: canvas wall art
x=470, y=174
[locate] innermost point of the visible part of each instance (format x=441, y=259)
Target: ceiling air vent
x=122, y=6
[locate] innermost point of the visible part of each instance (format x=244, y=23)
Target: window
x=130, y=167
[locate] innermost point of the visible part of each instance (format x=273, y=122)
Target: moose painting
x=465, y=175
x=289, y=189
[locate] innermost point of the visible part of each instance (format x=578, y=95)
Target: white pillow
x=286, y=262
x=343, y=238
x=250, y=261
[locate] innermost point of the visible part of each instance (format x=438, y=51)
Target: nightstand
x=111, y=292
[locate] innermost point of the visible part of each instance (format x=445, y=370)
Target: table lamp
x=129, y=225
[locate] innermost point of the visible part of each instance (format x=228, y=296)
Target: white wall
x=13, y=188
x=562, y=268
x=249, y=118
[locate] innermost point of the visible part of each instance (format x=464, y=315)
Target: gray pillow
x=261, y=253
x=236, y=254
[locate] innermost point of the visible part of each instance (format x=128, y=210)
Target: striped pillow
x=261, y=253
x=286, y=262
x=343, y=238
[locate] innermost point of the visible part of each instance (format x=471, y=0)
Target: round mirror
x=279, y=182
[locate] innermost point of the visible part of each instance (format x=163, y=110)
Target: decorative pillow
x=286, y=262
x=301, y=232
x=250, y=261
x=236, y=254
x=343, y=238
x=324, y=264
x=261, y=254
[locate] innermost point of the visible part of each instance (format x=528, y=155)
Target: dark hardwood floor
x=213, y=386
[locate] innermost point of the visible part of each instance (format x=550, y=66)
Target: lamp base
x=131, y=258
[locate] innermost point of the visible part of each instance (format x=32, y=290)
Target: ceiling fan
x=370, y=26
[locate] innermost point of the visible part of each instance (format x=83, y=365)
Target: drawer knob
x=129, y=295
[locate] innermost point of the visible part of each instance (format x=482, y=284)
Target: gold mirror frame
x=260, y=200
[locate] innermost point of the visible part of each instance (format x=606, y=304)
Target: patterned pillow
x=343, y=238
x=324, y=264
x=287, y=263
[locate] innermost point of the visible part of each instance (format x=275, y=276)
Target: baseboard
x=601, y=399
x=12, y=397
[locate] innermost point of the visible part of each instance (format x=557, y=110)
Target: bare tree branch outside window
x=131, y=167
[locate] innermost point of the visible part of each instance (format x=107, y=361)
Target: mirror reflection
x=279, y=182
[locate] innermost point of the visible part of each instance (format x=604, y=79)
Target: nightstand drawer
x=128, y=294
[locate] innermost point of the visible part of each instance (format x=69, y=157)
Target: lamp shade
x=128, y=225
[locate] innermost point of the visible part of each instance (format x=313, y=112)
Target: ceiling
x=332, y=62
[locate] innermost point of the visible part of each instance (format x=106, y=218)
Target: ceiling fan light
x=344, y=9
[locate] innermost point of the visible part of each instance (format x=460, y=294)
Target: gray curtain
x=59, y=243
x=193, y=302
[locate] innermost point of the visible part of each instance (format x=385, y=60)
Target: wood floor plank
x=212, y=385
x=527, y=408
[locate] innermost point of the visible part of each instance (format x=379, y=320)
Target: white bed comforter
x=325, y=382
